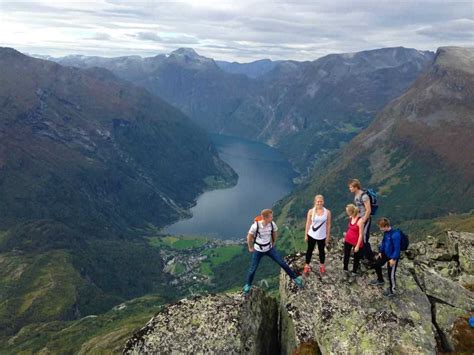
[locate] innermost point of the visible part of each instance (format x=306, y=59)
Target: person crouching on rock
x=261, y=240
x=354, y=239
x=389, y=254
x=318, y=227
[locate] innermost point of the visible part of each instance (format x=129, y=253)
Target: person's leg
x=273, y=253
x=357, y=257
x=347, y=254
x=391, y=270
x=378, y=269
x=322, y=251
x=309, y=251
x=367, y=248
x=256, y=256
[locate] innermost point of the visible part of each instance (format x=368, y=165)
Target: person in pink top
x=353, y=241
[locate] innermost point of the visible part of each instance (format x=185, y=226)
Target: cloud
x=149, y=36
x=241, y=30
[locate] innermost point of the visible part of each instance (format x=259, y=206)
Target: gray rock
x=223, y=323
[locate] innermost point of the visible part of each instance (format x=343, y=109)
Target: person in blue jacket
x=389, y=254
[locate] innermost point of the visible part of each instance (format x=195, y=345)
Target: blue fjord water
x=265, y=176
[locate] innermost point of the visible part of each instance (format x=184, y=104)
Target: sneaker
x=298, y=281
x=307, y=269
x=346, y=274
x=376, y=282
x=246, y=289
x=352, y=277
x=388, y=293
x=322, y=268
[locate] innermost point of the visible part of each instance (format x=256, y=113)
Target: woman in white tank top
x=318, y=227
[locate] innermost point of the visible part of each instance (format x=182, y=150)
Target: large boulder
x=221, y=324
x=342, y=318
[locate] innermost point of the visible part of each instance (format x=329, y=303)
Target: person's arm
x=396, y=239
x=328, y=228
x=308, y=224
x=360, y=223
x=368, y=208
x=274, y=237
x=250, y=240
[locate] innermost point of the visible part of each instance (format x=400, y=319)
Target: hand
x=363, y=219
x=356, y=249
x=328, y=241
x=306, y=239
x=251, y=250
x=392, y=262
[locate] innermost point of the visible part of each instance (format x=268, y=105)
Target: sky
x=240, y=30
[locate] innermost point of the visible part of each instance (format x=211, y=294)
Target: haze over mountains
x=288, y=105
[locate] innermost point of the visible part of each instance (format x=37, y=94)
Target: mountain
x=307, y=109
x=417, y=152
x=64, y=128
x=252, y=70
x=89, y=163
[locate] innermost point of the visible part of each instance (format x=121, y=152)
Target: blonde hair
x=352, y=209
x=355, y=183
x=318, y=197
x=266, y=212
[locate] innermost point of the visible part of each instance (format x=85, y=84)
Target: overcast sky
x=232, y=30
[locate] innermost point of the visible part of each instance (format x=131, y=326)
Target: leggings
x=357, y=256
x=311, y=244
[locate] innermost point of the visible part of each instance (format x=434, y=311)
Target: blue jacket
x=391, y=244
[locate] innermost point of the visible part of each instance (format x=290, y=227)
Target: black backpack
x=404, y=241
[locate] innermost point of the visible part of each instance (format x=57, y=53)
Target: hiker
x=353, y=240
x=318, y=227
x=261, y=240
x=389, y=254
x=362, y=201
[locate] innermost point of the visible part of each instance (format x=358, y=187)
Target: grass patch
x=218, y=256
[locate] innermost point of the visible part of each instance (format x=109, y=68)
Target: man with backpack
x=366, y=202
x=261, y=240
x=394, y=241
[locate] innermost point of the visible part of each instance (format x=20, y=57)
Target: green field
x=219, y=256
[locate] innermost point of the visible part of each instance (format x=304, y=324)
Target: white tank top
x=316, y=220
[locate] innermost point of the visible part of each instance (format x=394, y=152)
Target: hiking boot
x=322, y=268
x=346, y=275
x=376, y=282
x=352, y=277
x=388, y=293
x=307, y=269
x=298, y=281
x=246, y=289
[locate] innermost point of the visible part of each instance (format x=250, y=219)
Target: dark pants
x=357, y=256
x=272, y=253
x=311, y=244
x=391, y=270
x=368, y=253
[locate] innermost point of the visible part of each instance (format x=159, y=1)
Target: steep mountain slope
x=306, y=108
x=85, y=148
x=418, y=152
x=87, y=163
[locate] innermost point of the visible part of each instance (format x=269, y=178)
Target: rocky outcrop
x=221, y=324
x=334, y=317
x=329, y=315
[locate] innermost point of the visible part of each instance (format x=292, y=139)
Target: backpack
x=257, y=233
x=404, y=241
x=373, y=200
